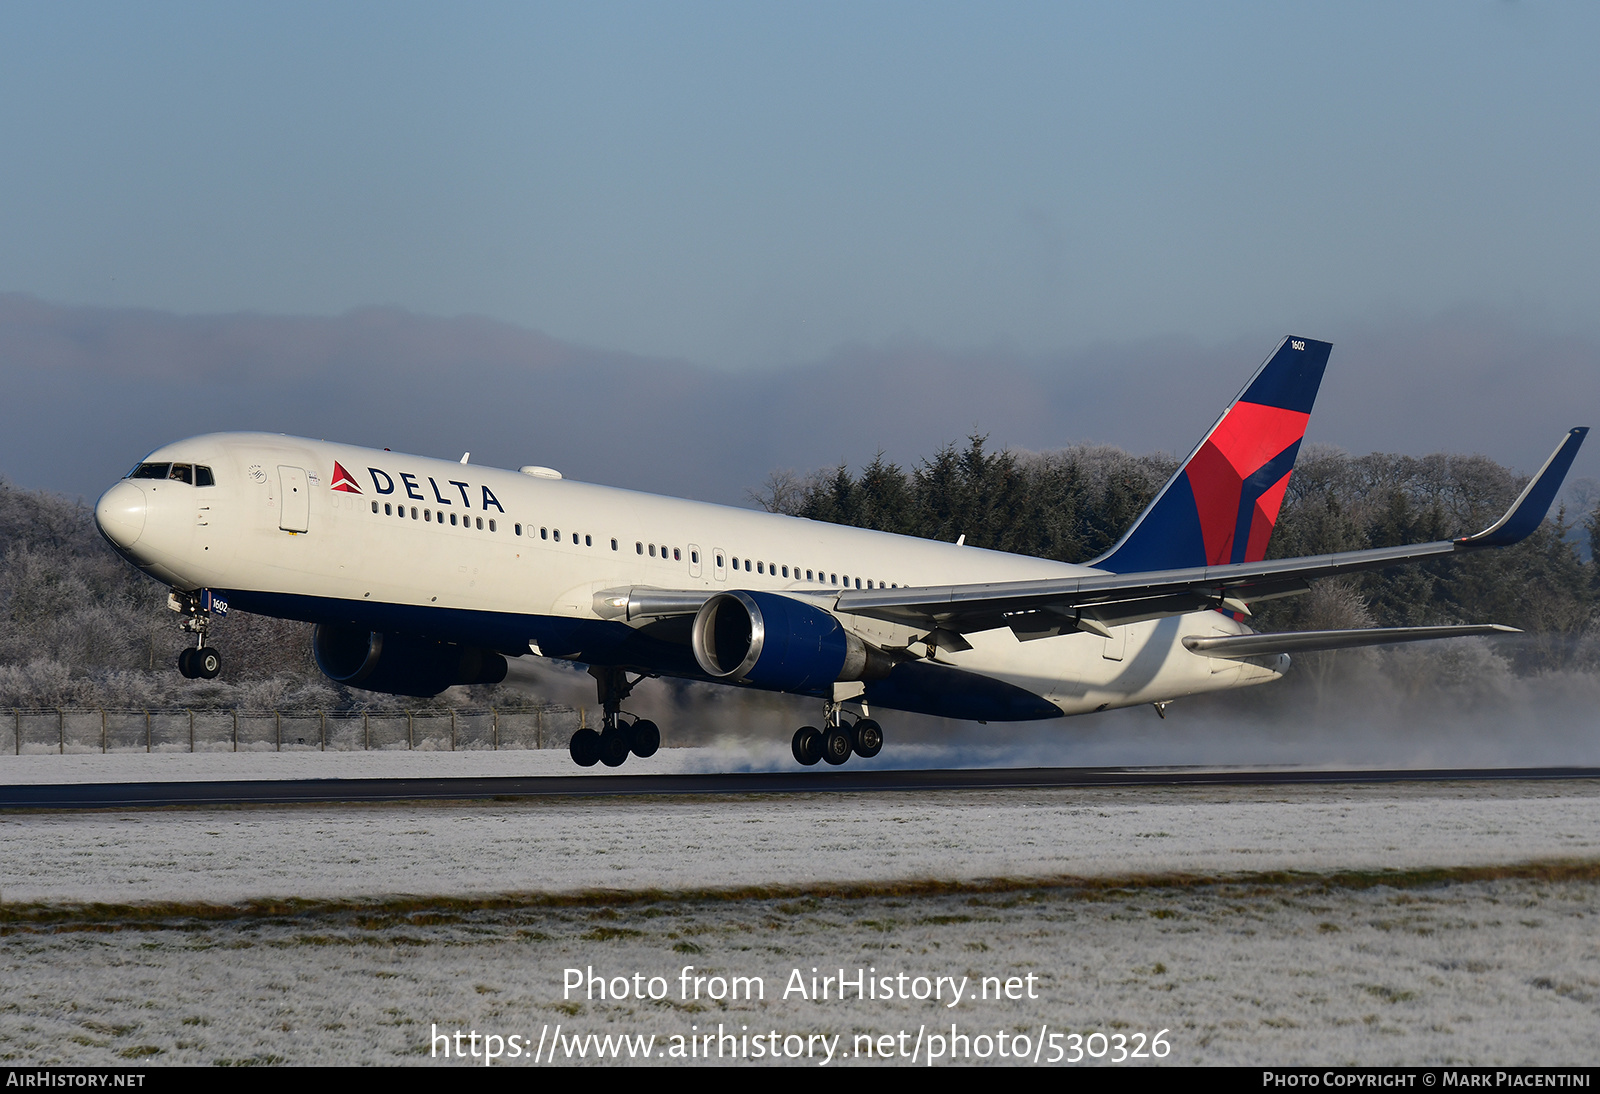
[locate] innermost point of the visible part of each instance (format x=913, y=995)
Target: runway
x=124, y=795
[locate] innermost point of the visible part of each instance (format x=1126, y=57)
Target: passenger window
x=558, y=535
x=677, y=555
x=758, y=568
x=374, y=507
x=202, y=477
x=516, y=529
x=544, y=533
x=652, y=550
x=491, y=523
x=858, y=583
x=452, y=520
x=388, y=509
x=735, y=562
x=588, y=541
x=413, y=512
x=613, y=545
x=747, y=565
x=480, y=525
x=694, y=557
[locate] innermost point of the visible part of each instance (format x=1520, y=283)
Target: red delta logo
x=342, y=480
x=1239, y=477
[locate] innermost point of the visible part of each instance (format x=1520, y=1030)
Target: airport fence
x=78, y=731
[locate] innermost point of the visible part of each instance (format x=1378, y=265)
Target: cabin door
x=295, y=513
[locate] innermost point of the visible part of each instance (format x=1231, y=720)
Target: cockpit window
x=193, y=474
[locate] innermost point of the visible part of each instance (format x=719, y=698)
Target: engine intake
x=779, y=643
x=400, y=664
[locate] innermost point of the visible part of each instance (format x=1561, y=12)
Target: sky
x=756, y=190
x=750, y=186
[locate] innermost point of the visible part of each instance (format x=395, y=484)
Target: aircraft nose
x=120, y=513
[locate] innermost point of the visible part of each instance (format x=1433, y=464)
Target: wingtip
x=1528, y=511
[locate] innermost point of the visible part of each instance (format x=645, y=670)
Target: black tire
x=646, y=738
x=615, y=744
x=807, y=746
x=186, y=662
x=585, y=748
x=868, y=738
x=837, y=745
x=206, y=663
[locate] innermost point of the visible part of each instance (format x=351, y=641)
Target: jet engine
x=779, y=643
x=400, y=664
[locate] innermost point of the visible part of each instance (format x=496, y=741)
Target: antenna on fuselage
x=464, y=456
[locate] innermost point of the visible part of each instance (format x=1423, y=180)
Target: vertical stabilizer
x=1221, y=505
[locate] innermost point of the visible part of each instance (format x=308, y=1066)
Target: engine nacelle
x=779, y=643
x=400, y=664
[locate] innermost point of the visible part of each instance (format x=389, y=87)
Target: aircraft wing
x=1096, y=602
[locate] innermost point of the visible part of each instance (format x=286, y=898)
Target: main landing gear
x=200, y=662
x=616, y=739
x=835, y=741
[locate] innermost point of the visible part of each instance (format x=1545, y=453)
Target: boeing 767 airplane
x=420, y=574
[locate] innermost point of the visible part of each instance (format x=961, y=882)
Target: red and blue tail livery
x=1221, y=506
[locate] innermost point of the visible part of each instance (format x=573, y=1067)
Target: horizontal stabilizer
x=1257, y=645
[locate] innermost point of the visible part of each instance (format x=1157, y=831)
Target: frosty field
x=1386, y=924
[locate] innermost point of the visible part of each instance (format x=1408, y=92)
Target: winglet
x=1528, y=511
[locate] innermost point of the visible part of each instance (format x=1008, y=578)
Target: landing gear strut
x=836, y=742
x=616, y=739
x=200, y=662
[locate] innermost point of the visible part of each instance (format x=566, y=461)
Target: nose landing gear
x=201, y=662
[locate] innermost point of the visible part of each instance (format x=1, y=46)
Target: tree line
x=1073, y=504
x=82, y=628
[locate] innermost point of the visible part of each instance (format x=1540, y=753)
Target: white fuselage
x=411, y=535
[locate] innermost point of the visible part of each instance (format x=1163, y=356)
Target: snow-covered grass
x=1374, y=924
x=690, y=843
x=1422, y=970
